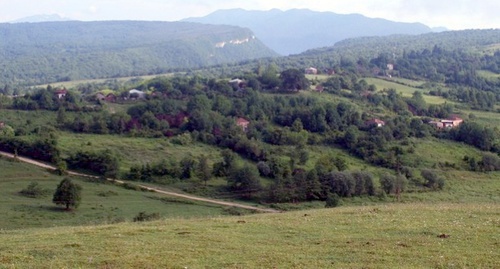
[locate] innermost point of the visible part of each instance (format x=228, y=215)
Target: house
x=451, y=122
x=311, y=71
x=243, y=123
x=134, y=93
x=375, y=122
x=2, y=124
x=61, y=93
x=110, y=98
x=99, y=96
x=237, y=83
x=390, y=67
x=319, y=88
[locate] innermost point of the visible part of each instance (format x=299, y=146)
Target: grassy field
x=406, y=91
x=135, y=150
x=488, y=74
x=439, y=235
x=74, y=83
x=483, y=117
x=101, y=203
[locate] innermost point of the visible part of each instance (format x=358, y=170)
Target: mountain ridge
x=297, y=30
x=48, y=52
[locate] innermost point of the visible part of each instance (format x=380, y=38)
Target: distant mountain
x=298, y=30
x=439, y=29
x=47, y=52
x=41, y=18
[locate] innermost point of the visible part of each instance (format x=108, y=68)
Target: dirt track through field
x=169, y=193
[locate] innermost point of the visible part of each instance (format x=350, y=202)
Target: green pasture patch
x=414, y=235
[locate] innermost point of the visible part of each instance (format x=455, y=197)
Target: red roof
x=242, y=122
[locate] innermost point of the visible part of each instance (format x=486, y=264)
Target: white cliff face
x=234, y=42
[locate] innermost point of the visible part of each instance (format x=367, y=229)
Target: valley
x=191, y=145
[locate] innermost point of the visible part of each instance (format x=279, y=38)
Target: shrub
x=34, y=190
x=143, y=216
x=333, y=200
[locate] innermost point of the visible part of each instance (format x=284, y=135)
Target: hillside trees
x=68, y=194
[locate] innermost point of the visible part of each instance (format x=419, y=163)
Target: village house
x=2, y=124
x=243, y=123
x=136, y=94
x=237, y=83
x=311, y=71
x=451, y=122
x=111, y=98
x=99, y=96
x=61, y=93
x=375, y=122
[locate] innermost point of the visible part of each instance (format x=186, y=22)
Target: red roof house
x=243, y=123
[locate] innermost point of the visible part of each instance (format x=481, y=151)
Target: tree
x=204, y=170
x=245, y=181
x=68, y=194
x=294, y=80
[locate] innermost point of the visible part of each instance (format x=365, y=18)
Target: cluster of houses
x=451, y=122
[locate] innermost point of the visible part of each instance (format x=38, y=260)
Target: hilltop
x=297, y=30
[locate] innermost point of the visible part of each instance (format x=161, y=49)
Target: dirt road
x=169, y=193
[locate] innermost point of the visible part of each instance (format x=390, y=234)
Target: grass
x=406, y=91
x=486, y=118
x=101, y=203
x=384, y=236
x=135, y=150
x=74, y=83
x=488, y=74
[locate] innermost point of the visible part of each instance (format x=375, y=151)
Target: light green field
x=406, y=91
x=488, y=74
x=135, y=150
x=101, y=203
x=74, y=83
x=384, y=236
x=486, y=118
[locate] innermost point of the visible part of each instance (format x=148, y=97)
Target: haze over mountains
x=297, y=30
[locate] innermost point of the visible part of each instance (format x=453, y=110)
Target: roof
x=242, y=121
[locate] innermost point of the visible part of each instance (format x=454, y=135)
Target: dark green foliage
x=432, y=180
x=244, y=181
x=68, y=194
x=34, y=190
x=103, y=162
x=39, y=148
x=490, y=162
x=143, y=216
x=293, y=80
x=333, y=200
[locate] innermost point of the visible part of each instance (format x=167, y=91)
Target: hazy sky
x=453, y=14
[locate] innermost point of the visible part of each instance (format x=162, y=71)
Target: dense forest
x=37, y=53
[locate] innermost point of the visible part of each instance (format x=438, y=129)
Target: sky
x=452, y=14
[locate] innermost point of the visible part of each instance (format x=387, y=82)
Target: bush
x=333, y=200
x=34, y=190
x=143, y=216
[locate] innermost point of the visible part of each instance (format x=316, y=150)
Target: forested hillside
x=297, y=30
x=34, y=53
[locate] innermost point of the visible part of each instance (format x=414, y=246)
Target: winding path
x=169, y=193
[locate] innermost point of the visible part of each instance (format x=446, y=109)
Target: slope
x=297, y=30
x=35, y=53
x=436, y=235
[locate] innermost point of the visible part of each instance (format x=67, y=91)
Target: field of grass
x=406, y=91
x=486, y=118
x=488, y=74
x=135, y=150
x=439, y=235
x=74, y=83
x=101, y=202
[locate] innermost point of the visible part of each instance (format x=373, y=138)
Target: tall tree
x=294, y=80
x=68, y=194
